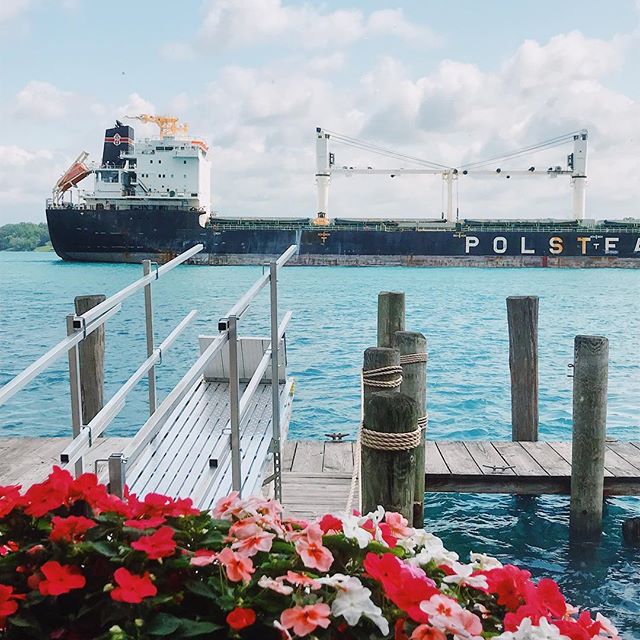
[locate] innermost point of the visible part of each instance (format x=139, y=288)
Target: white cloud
x=229, y=23
x=11, y=9
x=42, y=100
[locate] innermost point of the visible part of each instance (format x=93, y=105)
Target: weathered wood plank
x=288, y=453
x=515, y=454
x=338, y=456
x=549, y=459
x=564, y=449
x=618, y=466
x=487, y=458
x=308, y=457
x=434, y=462
x=628, y=452
x=457, y=458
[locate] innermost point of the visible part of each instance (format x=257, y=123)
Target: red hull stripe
x=122, y=140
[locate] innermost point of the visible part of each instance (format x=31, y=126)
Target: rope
x=370, y=378
x=383, y=441
x=413, y=358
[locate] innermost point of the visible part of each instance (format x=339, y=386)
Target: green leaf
x=103, y=549
x=191, y=628
x=17, y=621
x=163, y=624
x=201, y=589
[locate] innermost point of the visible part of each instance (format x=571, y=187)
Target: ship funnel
x=117, y=140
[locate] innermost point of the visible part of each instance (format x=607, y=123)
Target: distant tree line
x=24, y=236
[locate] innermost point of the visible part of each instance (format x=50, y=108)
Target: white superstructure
x=171, y=170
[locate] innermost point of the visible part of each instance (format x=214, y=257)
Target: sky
x=443, y=81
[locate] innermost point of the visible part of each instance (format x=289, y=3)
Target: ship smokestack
x=117, y=140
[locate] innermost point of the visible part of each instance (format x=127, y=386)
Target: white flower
x=435, y=553
x=527, y=631
x=464, y=578
x=352, y=530
x=607, y=625
x=483, y=561
x=353, y=601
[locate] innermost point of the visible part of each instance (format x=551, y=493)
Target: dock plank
x=434, y=462
x=338, y=456
x=288, y=453
x=523, y=463
x=548, y=458
x=457, y=458
x=488, y=459
x=309, y=456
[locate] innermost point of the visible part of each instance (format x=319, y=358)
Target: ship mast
x=576, y=169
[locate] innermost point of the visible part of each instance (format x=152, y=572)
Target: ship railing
x=238, y=402
x=79, y=327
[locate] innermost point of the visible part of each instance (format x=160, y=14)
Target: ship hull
x=133, y=235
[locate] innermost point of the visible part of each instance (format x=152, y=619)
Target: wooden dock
x=317, y=475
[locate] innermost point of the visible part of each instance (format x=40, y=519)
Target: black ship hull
x=131, y=235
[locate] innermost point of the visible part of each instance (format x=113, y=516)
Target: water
x=462, y=312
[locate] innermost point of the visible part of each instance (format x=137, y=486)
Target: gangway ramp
x=219, y=429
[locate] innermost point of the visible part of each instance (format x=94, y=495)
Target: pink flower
x=228, y=507
x=275, y=585
x=304, y=620
x=301, y=580
x=202, y=558
x=398, y=525
x=309, y=548
x=439, y=605
x=237, y=567
x=250, y=539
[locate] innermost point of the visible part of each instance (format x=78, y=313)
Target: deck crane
x=169, y=127
x=576, y=168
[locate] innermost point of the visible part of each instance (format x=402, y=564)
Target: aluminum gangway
x=219, y=429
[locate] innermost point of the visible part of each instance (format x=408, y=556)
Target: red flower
x=60, y=579
x=546, y=598
x=48, y=495
x=9, y=499
x=71, y=529
x=158, y=545
x=8, y=604
x=241, y=618
x=145, y=523
x=509, y=584
x=155, y=504
x=6, y=549
x=132, y=588
x=406, y=586
x=330, y=523
x=584, y=628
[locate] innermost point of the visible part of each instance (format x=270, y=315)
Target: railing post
x=591, y=366
x=117, y=479
x=234, y=403
x=91, y=355
x=275, y=381
x=75, y=384
x=148, y=312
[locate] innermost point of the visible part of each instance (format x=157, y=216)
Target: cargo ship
x=151, y=200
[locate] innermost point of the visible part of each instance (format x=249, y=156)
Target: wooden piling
x=522, y=316
x=591, y=363
x=413, y=349
x=388, y=477
x=91, y=362
x=379, y=358
x=390, y=316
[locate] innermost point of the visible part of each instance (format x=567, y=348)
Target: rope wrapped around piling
x=371, y=377
x=390, y=441
x=413, y=358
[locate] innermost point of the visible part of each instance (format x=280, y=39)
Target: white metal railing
x=81, y=326
x=239, y=403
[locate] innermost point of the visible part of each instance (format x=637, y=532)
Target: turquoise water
x=461, y=311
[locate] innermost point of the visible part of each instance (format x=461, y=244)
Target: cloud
x=11, y=9
x=232, y=24
x=42, y=100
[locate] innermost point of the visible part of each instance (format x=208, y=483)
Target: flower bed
x=78, y=563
